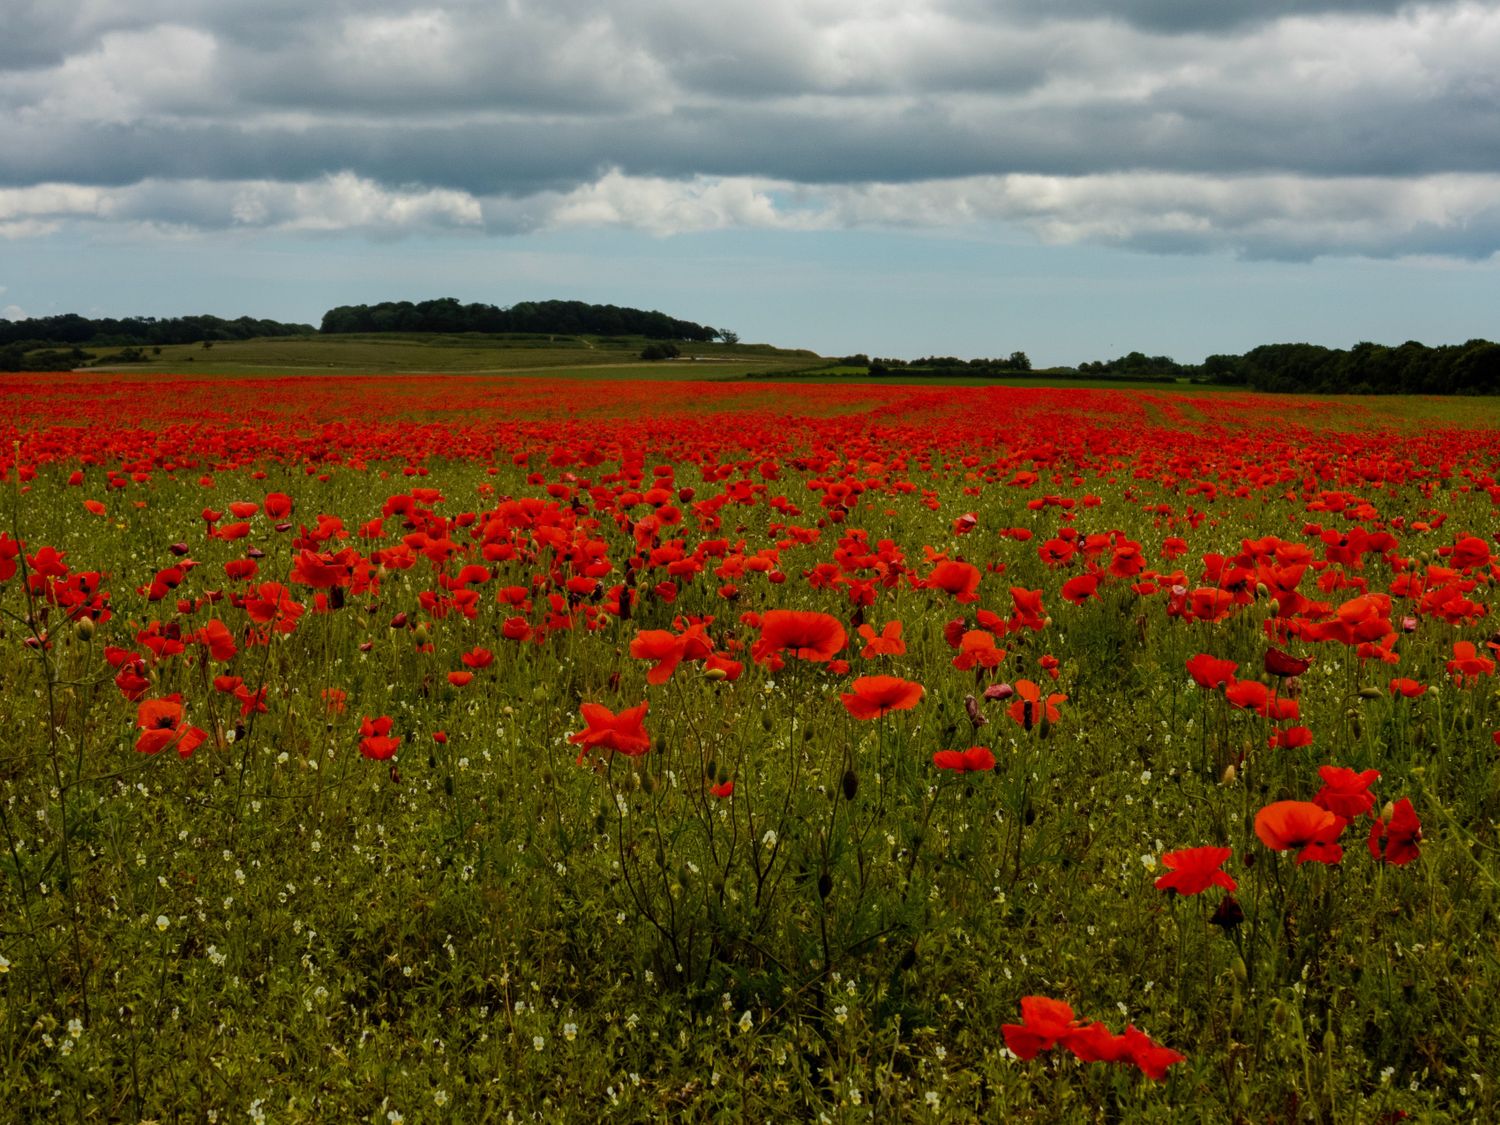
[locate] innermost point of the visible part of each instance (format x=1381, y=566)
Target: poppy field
x=466, y=748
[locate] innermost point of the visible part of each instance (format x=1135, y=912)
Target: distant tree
x=1019, y=361
x=660, y=350
x=728, y=336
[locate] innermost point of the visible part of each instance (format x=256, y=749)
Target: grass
x=457, y=354
x=280, y=926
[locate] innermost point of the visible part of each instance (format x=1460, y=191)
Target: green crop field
x=460, y=354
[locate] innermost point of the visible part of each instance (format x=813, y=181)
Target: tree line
x=570, y=318
x=1410, y=368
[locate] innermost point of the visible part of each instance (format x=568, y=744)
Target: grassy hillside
x=457, y=354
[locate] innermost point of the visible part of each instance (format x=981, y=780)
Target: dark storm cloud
x=532, y=110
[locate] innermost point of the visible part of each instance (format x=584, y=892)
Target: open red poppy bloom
x=477, y=658
x=624, y=733
x=960, y=579
x=805, y=634
x=977, y=648
x=1394, y=838
x=661, y=646
x=1345, y=792
x=1285, y=825
x=1044, y=1023
x=376, y=741
x=161, y=726
x=874, y=696
x=1467, y=665
x=1407, y=688
x=1193, y=870
x=976, y=759
x=1029, y=708
x=1211, y=671
x=887, y=643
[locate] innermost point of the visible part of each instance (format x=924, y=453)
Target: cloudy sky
x=1073, y=178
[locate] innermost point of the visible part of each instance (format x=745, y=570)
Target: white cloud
x=1274, y=216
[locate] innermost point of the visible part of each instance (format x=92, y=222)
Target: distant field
x=458, y=354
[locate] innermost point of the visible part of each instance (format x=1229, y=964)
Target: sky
x=1075, y=179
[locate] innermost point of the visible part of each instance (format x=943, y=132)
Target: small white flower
x=440, y=1098
x=162, y=922
x=4, y=964
x=75, y=1028
x=538, y=1042
x=932, y=1100
x=570, y=1031
x=746, y=1023
x=769, y=839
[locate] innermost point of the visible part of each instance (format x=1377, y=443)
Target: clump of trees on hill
x=45, y=343
x=571, y=318
x=1411, y=368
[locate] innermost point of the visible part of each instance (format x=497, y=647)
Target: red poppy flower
x=1044, y=1023
x=1193, y=870
x=460, y=679
x=1346, y=793
x=1029, y=709
x=661, y=646
x=805, y=634
x=1211, y=671
x=1280, y=663
x=887, y=643
x=1284, y=825
x=1395, y=836
x=478, y=658
x=717, y=666
x=1291, y=738
x=1151, y=1058
x=724, y=790
x=1407, y=688
x=874, y=696
x=960, y=579
x=1081, y=588
x=376, y=741
x=624, y=733
x=1467, y=665
x=976, y=759
x=161, y=725
x=977, y=648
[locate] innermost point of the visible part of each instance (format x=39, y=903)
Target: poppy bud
x=715, y=674
x=1237, y=966
x=999, y=692
x=1388, y=811
x=711, y=769
x=179, y=549
x=650, y=784
x=423, y=633
x=84, y=629
x=851, y=784
x=1045, y=728
x=1229, y=775
x=1330, y=1043
x=976, y=716
x=825, y=884
x=1371, y=692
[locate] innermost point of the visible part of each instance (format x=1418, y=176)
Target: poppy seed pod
x=851, y=784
